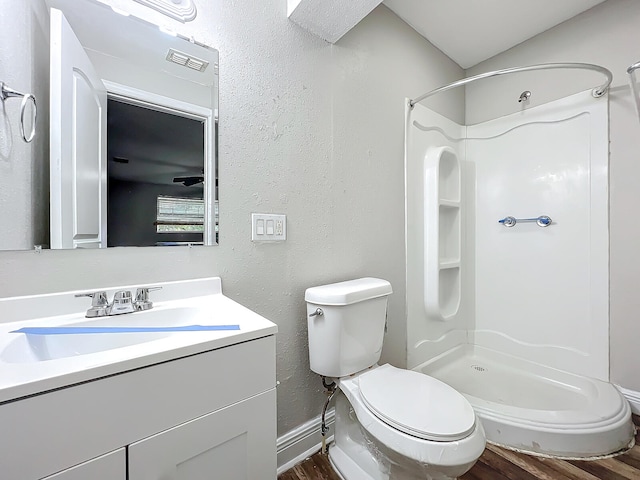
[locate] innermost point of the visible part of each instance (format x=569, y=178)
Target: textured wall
x=307, y=129
x=375, y=66
x=607, y=35
x=24, y=178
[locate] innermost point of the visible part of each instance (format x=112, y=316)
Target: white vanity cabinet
x=226, y=445
x=112, y=466
x=205, y=415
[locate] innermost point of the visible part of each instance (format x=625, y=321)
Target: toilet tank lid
x=346, y=293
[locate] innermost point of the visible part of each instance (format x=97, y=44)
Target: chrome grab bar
x=542, y=221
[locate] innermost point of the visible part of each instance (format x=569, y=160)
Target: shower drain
x=478, y=368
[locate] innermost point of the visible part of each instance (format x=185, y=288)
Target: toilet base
x=348, y=453
x=355, y=455
x=344, y=467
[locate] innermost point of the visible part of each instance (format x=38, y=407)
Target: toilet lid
x=417, y=404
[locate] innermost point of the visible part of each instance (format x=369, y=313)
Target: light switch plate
x=268, y=227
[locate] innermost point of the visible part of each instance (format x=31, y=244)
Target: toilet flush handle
x=318, y=312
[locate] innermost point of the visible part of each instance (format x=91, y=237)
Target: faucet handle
x=142, y=301
x=99, y=303
x=122, y=297
x=121, y=303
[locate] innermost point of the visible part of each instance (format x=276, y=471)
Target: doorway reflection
x=155, y=177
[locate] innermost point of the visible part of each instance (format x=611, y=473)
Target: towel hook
x=6, y=92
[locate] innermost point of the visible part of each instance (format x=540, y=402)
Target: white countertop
x=26, y=378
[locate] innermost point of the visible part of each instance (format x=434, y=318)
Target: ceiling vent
x=187, y=60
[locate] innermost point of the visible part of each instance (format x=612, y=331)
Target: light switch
x=267, y=227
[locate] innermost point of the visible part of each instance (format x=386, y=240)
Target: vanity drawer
x=68, y=426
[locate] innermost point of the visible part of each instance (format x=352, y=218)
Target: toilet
x=391, y=423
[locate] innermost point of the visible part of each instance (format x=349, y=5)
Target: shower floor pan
x=528, y=407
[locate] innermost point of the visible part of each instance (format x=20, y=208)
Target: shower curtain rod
x=597, y=92
x=633, y=68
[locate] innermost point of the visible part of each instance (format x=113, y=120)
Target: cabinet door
x=112, y=466
x=237, y=442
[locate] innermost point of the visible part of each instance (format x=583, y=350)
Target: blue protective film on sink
x=86, y=330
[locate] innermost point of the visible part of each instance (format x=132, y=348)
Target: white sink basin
x=32, y=363
x=26, y=348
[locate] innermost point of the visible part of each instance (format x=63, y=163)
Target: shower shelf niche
x=442, y=235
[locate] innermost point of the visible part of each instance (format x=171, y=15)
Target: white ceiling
x=470, y=31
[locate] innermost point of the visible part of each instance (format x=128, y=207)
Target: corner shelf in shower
x=442, y=232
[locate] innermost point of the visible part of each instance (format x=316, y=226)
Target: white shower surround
x=537, y=293
x=427, y=335
x=543, y=293
x=534, y=300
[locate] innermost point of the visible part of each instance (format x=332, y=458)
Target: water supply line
x=330, y=391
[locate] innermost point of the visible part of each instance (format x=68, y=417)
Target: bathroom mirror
x=136, y=163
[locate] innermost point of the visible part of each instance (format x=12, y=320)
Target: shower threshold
x=535, y=409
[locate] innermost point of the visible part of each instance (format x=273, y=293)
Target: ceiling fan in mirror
x=189, y=181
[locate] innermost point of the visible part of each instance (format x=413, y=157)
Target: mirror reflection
x=155, y=169
x=133, y=127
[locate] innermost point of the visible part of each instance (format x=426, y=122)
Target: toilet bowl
x=399, y=424
x=390, y=423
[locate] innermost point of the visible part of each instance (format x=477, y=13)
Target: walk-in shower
x=507, y=267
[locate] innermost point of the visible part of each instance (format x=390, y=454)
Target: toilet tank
x=347, y=336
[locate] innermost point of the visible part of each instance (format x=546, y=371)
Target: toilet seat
x=417, y=404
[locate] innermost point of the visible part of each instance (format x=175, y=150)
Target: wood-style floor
x=500, y=464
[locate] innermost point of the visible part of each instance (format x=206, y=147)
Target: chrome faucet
x=99, y=304
x=122, y=302
x=142, y=301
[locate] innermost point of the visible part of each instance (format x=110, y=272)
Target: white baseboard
x=632, y=397
x=302, y=442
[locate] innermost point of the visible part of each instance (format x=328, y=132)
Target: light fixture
x=182, y=10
